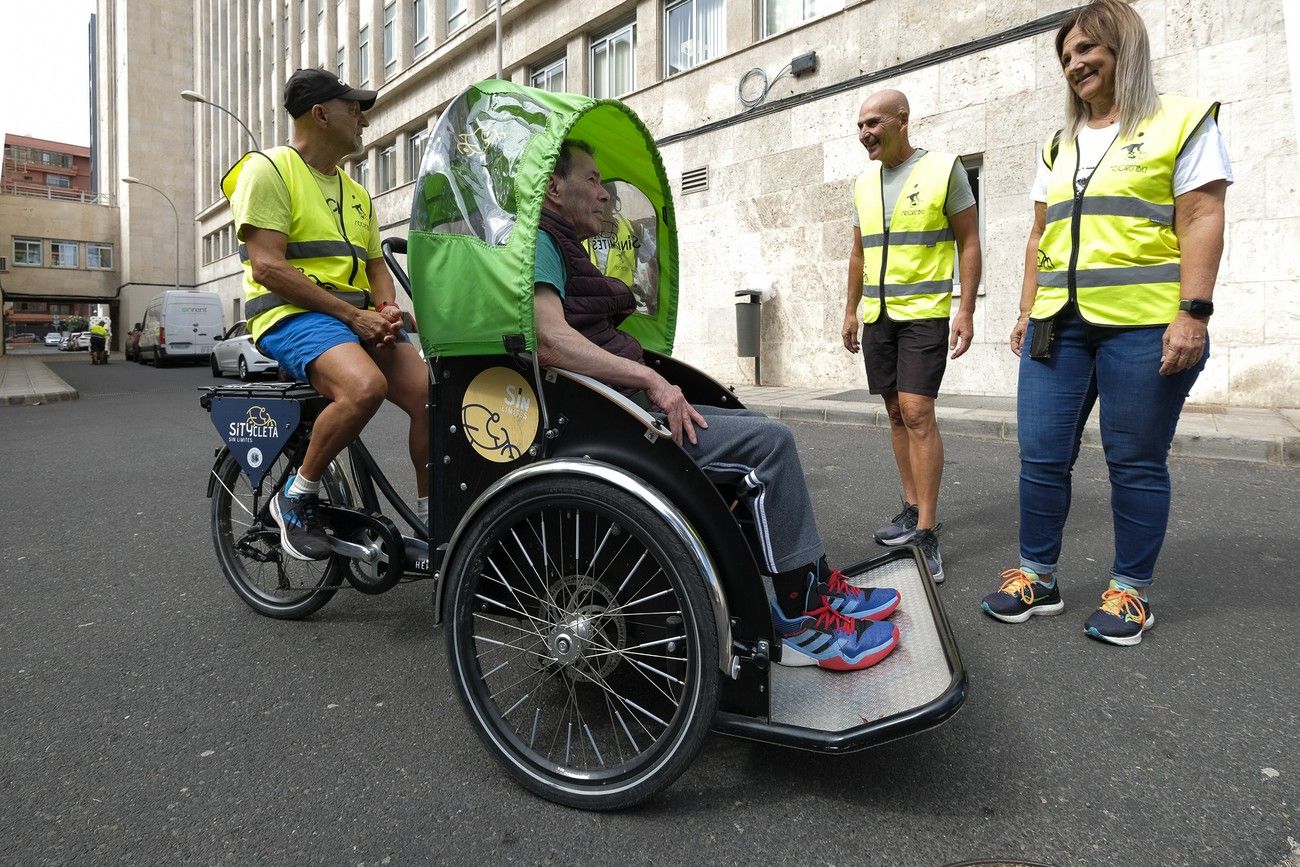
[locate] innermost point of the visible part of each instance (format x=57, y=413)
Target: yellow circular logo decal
x=499, y=414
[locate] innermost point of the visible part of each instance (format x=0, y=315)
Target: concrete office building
x=763, y=193
x=58, y=239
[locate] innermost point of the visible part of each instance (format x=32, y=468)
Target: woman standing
x=1115, y=304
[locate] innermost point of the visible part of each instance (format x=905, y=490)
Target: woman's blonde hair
x=1114, y=24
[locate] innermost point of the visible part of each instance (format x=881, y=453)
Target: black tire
x=216, y=369
x=247, y=540
x=243, y=370
x=567, y=558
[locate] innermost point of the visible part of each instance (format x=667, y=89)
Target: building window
x=695, y=32
x=390, y=40
x=549, y=76
x=27, y=251
x=363, y=56
x=415, y=152
x=778, y=15
x=457, y=15
x=420, y=32
x=63, y=254
x=387, y=174
x=340, y=55
x=361, y=173
x=57, y=181
x=612, y=62
x=302, y=22
x=99, y=256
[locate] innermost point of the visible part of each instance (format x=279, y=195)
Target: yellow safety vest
x=908, y=266
x=619, y=250
x=98, y=330
x=326, y=243
x=1111, y=248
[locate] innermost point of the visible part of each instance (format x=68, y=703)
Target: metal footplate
x=918, y=686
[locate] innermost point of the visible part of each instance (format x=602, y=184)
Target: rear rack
x=300, y=391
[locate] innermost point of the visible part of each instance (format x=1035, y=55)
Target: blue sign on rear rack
x=255, y=429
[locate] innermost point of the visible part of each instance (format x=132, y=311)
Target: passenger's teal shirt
x=549, y=267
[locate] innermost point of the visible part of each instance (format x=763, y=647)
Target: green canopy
x=473, y=235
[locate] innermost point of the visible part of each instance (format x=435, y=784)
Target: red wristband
x=384, y=304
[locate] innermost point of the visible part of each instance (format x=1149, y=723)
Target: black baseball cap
x=308, y=87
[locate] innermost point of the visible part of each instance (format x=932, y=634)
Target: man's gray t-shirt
x=960, y=196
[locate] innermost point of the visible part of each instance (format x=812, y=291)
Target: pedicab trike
x=601, y=602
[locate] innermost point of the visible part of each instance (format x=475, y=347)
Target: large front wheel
x=247, y=539
x=582, y=642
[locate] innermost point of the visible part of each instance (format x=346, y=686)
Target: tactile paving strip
x=915, y=674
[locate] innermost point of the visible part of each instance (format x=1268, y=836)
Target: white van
x=180, y=326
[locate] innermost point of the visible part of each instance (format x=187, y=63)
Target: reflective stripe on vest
x=318, y=244
x=313, y=250
x=269, y=301
x=908, y=266
x=1112, y=247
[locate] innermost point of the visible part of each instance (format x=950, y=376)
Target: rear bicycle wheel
x=582, y=642
x=247, y=540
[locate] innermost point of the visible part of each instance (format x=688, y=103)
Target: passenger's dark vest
x=594, y=304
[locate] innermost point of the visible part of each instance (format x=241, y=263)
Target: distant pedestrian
x=910, y=206
x=98, y=344
x=1119, y=271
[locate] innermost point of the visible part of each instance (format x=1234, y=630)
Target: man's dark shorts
x=905, y=356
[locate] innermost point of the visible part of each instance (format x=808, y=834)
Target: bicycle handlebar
x=392, y=247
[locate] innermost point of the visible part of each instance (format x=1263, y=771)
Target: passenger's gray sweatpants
x=763, y=450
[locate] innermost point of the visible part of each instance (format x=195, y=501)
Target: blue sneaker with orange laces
x=859, y=603
x=1123, y=616
x=827, y=639
x=1022, y=596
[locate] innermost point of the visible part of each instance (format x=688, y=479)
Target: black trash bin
x=748, y=325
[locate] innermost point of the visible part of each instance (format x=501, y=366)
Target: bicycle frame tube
x=368, y=476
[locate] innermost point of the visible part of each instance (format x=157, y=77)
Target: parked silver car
x=235, y=353
x=53, y=339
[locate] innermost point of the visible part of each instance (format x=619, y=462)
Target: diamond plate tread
x=915, y=674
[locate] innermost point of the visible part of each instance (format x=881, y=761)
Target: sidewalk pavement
x=27, y=380
x=1204, y=431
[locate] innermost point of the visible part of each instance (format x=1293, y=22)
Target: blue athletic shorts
x=299, y=340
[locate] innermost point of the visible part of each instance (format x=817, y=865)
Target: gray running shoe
x=929, y=545
x=901, y=529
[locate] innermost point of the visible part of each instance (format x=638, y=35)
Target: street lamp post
x=175, y=215
x=195, y=96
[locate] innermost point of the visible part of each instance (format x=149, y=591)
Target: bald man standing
x=910, y=206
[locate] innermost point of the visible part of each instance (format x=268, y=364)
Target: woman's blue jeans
x=1139, y=411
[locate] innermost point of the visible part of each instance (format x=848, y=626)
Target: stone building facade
x=776, y=211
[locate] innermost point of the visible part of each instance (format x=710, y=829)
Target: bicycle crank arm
x=369, y=553
x=371, y=542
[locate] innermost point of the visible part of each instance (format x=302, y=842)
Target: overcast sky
x=45, y=64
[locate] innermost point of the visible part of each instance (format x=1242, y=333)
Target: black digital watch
x=1197, y=307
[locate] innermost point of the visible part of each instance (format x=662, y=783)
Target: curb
x=55, y=388
x=1277, y=450
x=38, y=398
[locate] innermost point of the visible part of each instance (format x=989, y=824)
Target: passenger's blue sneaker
x=830, y=640
x=1022, y=596
x=301, y=533
x=859, y=603
x=1122, y=618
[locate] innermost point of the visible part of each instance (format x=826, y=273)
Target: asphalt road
x=150, y=717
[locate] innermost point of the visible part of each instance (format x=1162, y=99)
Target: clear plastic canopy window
x=474, y=217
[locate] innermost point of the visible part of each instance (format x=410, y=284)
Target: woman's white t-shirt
x=1204, y=159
